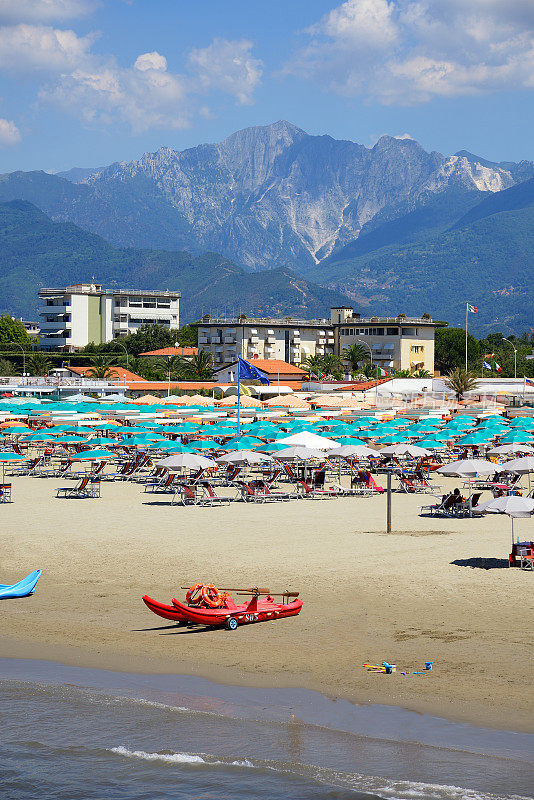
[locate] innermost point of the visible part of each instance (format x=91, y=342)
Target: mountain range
x=35, y=251
x=392, y=227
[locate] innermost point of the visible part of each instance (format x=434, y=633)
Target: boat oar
x=239, y=591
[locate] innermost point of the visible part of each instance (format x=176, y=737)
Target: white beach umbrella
x=353, y=451
x=309, y=439
x=410, y=450
x=510, y=449
x=512, y=505
x=519, y=465
x=468, y=468
x=244, y=457
x=300, y=453
x=191, y=460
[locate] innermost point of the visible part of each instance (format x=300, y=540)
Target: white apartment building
x=74, y=316
x=393, y=343
x=288, y=340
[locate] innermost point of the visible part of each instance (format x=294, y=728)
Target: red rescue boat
x=206, y=605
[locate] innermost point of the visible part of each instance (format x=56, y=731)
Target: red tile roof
x=362, y=386
x=172, y=351
x=121, y=374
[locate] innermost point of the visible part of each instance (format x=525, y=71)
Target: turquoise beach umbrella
x=431, y=444
x=204, y=444
x=272, y=447
x=93, y=455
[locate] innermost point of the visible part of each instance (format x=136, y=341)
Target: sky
x=89, y=82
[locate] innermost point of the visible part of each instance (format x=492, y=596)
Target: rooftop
x=285, y=321
x=96, y=288
x=271, y=366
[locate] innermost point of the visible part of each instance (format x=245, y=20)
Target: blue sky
x=85, y=83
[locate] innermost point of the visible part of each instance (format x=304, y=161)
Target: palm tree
x=461, y=381
x=422, y=373
x=356, y=354
x=102, y=368
x=39, y=364
x=199, y=366
x=314, y=365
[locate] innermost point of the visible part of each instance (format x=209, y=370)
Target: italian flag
x=473, y=309
x=497, y=366
x=381, y=372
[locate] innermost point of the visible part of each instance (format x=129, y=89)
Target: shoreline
x=66, y=656
x=414, y=595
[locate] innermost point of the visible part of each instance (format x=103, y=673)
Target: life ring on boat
x=211, y=596
x=194, y=595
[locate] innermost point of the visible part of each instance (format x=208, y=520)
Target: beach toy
x=428, y=665
x=389, y=668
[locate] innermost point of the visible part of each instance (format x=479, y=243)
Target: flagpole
x=238, y=400
x=466, y=314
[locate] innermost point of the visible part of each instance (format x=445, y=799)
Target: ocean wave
x=386, y=788
x=179, y=758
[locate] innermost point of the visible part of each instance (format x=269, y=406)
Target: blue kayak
x=23, y=588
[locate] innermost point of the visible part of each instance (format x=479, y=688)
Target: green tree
x=12, y=330
x=198, y=367
x=8, y=368
x=148, y=337
x=102, y=368
x=450, y=349
x=39, y=364
x=188, y=336
x=356, y=354
x=461, y=382
x=403, y=373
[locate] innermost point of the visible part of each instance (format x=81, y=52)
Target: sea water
x=69, y=733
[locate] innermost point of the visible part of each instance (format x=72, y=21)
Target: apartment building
x=74, y=316
x=289, y=340
x=393, y=343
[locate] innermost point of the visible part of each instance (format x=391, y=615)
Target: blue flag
x=248, y=371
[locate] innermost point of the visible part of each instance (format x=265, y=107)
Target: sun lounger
x=86, y=488
x=313, y=493
x=443, y=509
x=185, y=495
x=5, y=493
x=209, y=497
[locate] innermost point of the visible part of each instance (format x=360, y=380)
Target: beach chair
x=86, y=488
x=312, y=493
x=5, y=493
x=271, y=494
x=208, y=496
x=164, y=484
x=445, y=508
x=30, y=468
x=527, y=558
x=185, y=495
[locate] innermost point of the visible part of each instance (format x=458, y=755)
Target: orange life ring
x=194, y=595
x=211, y=596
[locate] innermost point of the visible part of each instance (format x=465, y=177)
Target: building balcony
x=53, y=311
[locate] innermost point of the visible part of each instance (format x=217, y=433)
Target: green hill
x=36, y=252
x=486, y=257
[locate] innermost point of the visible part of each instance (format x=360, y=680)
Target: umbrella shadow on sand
x=482, y=563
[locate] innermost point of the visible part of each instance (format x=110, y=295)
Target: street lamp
x=18, y=344
x=515, y=354
x=124, y=348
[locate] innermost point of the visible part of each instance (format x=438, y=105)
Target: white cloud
x=227, y=66
x=40, y=11
x=409, y=51
x=147, y=95
x=9, y=133
x=152, y=60
x=29, y=48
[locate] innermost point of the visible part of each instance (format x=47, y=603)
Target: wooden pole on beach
x=388, y=505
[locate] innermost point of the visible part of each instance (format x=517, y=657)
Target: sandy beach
x=414, y=595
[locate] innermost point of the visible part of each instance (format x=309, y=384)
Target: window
x=392, y=331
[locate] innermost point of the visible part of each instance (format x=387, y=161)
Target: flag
x=381, y=372
x=497, y=366
x=529, y=382
x=473, y=309
x=249, y=372
x=485, y=365
x=489, y=355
